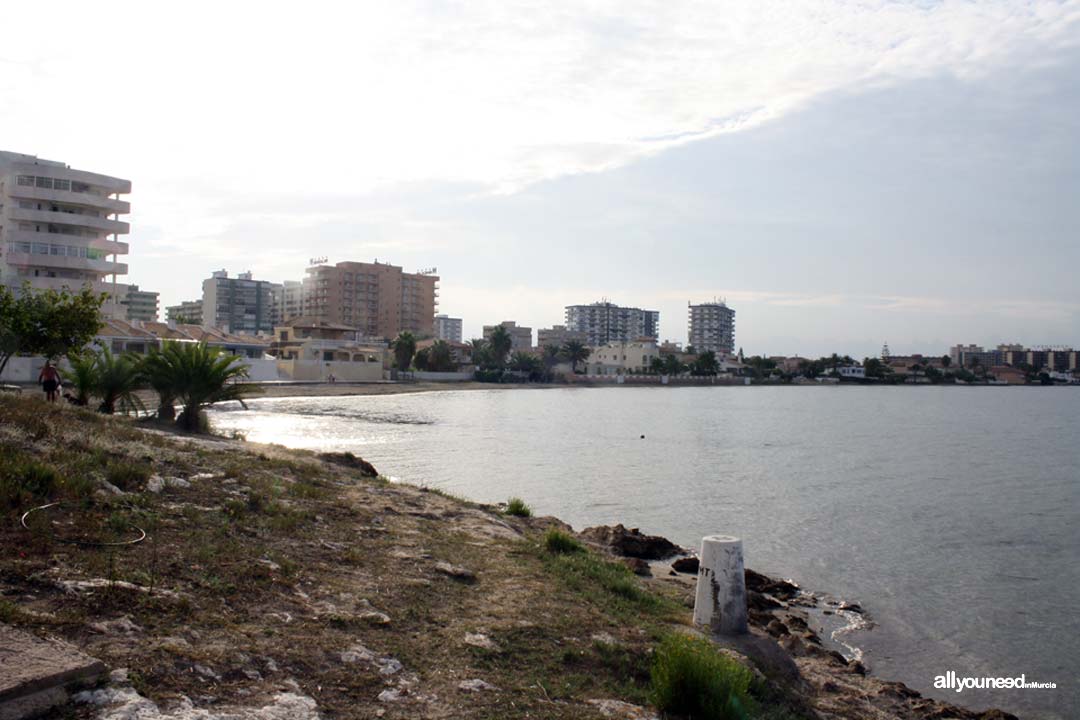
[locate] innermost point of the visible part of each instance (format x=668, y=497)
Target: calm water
x=951, y=514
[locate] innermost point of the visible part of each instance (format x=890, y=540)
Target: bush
x=516, y=506
x=559, y=543
x=691, y=677
x=22, y=480
x=127, y=476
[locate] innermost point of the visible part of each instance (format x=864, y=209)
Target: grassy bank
x=266, y=570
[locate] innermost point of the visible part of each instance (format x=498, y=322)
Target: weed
x=516, y=506
x=691, y=677
x=560, y=543
x=9, y=611
x=127, y=476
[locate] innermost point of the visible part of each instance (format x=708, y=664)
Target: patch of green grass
x=9, y=611
x=23, y=479
x=560, y=543
x=127, y=475
x=691, y=677
x=516, y=506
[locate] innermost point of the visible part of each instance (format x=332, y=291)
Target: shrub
x=559, y=543
x=516, y=506
x=127, y=476
x=691, y=677
x=22, y=480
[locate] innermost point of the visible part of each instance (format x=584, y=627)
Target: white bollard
x=721, y=589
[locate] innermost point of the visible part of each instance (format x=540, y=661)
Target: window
x=62, y=184
x=41, y=249
x=25, y=180
x=44, y=182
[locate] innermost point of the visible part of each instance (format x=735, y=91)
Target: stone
x=121, y=625
x=777, y=628
x=764, y=584
x=632, y=542
x=391, y=695
x=688, y=565
x=622, y=710
x=375, y=618
x=347, y=459
x=39, y=672
x=638, y=566
x=475, y=685
x=481, y=641
x=455, y=571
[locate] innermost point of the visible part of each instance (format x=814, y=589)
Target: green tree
x=525, y=362
x=946, y=361
x=47, y=322
x=117, y=377
x=197, y=376
x=706, y=364
x=553, y=355
x=422, y=359
x=404, y=346
x=673, y=366
x=82, y=376
x=500, y=343
x=441, y=357
x=159, y=372
x=657, y=365
x=575, y=352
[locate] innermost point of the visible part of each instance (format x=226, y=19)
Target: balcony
x=82, y=199
x=117, y=290
x=65, y=262
x=48, y=217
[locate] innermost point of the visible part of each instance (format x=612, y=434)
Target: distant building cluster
x=1055, y=359
x=605, y=322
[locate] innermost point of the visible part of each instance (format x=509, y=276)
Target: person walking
x=50, y=381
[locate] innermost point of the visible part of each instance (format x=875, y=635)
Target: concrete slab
x=36, y=673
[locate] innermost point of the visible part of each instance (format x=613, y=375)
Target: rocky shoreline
x=781, y=615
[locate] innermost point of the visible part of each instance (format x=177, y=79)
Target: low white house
x=618, y=358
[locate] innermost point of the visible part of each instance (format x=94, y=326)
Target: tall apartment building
x=378, y=299
x=237, y=305
x=60, y=227
x=520, y=336
x=188, y=311
x=141, y=304
x=288, y=301
x=559, y=335
x=448, y=328
x=712, y=328
x=605, y=322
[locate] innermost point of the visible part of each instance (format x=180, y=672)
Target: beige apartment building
x=378, y=299
x=520, y=336
x=559, y=335
x=60, y=227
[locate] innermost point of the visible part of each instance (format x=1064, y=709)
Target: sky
x=844, y=174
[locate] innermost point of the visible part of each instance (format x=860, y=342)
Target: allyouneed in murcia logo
x=952, y=681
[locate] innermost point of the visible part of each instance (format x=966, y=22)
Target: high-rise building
x=448, y=328
x=605, y=322
x=520, y=336
x=141, y=304
x=59, y=227
x=237, y=305
x=188, y=312
x=559, y=335
x=378, y=299
x=288, y=301
x=712, y=328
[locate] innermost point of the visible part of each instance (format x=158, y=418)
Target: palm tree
x=706, y=364
x=116, y=380
x=197, y=376
x=83, y=376
x=657, y=365
x=672, y=365
x=575, y=352
x=404, y=348
x=159, y=369
x=441, y=357
x=500, y=343
x=553, y=355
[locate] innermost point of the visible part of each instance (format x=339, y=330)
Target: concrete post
x=721, y=589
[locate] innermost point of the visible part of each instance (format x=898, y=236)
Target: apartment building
x=378, y=299
x=60, y=227
x=237, y=305
x=448, y=328
x=622, y=358
x=141, y=304
x=605, y=322
x=520, y=336
x=187, y=312
x=712, y=328
x=559, y=335
x=288, y=301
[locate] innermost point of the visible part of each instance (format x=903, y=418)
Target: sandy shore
x=276, y=390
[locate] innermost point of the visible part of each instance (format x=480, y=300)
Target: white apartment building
x=605, y=322
x=188, y=312
x=448, y=328
x=237, y=305
x=622, y=358
x=141, y=304
x=712, y=327
x=60, y=227
x=288, y=301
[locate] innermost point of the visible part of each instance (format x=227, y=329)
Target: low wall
x=442, y=376
x=321, y=371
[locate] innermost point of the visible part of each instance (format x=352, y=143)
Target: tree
x=441, y=357
x=422, y=359
x=553, y=355
x=404, y=346
x=158, y=372
x=673, y=366
x=500, y=343
x=204, y=376
x=47, y=322
x=525, y=362
x=706, y=364
x=83, y=376
x=575, y=352
x=657, y=365
x=946, y=361
x=117, y=377
x=690, y=350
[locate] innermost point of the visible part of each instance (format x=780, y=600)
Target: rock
x=761, y=601
x=777, y=628
x=603, y=638
x=830, y=687
x=622, y=710
x=481, y=641
x=688, y=565
x=156, y=483
x=385, y=664
x=631, y=543
x=475, y=685
x=777, y=588
x=638, y=566
x=347, y=459
x=36, y=674
x=856, y=667
x=121, y=625
x=391, y=695
x=375, y=618
x=455, y=571
x=850, y=607
x=206, y=672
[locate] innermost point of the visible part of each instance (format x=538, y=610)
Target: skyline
x=843, y=174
